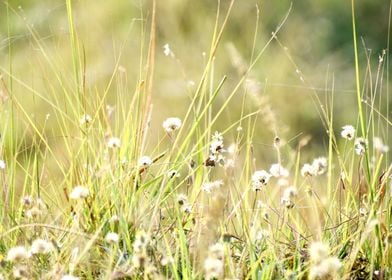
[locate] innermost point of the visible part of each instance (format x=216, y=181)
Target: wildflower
x=112, y=237
x=33, y=213
x=182, y=199
x=348, y=132
x=260, y=179
x=173, y=174
x=79, y=192
x=145, y=161
x=186, y=208
x=141, y=242
x=216, y=150
x=318, y=252
x=277, y=170
x=290, y=192
x=167, y=51
x=283, y=182
x=85, y=120
x=114, y=142
x=20, y=272
x=213, y=264
x=17, y=254
x=327, y=269
x=379, y=146
x=40, y=246
x=2, y=164
x=208, y=187
x=172, y=124
x=27, y=201
x=213, y=268
x=360, y=145
x=114, y=219
x=166, y=260
x=308, y=170
x=287, y=202
x=216, y=251
x=69, y=277
x=320, y=165
x=216, y=145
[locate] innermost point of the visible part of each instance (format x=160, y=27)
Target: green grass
x=172, y=227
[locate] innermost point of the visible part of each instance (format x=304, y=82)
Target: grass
x=99, y=191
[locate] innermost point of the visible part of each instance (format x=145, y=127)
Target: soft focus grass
x=252, y=79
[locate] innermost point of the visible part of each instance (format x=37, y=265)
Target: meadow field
x=208, y=139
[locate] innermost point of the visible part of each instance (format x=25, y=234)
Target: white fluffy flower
x=2, y=164
x=213, y=268
x=114, y=142
x=320, y=165
x=277, y=170
x=79, y=192
x=85, y=119
x=41, y=246
x=167, y=51
x=259, y=179
x=360, y=145
x=318, y=252
x=172, y=124
x=17, y=254
x=112, y=237
x=208, y=187
x=145, y=161
x=379, y=145
x=308, y=170
x=348, y=132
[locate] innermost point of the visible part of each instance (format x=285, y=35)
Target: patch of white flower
x=145, y=161
x=114, y=143
x=348, y=132
x=260, y=179
x=171, y=124
x=79, y=192
x=277, y=170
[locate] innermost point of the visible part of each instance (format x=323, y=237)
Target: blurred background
x=315, y=54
